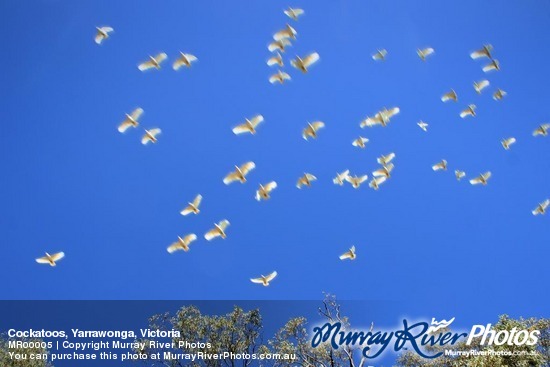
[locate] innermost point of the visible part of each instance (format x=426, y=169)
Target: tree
x=524, y=356
x=293, y=339
x=25, y=351
x=237, y=332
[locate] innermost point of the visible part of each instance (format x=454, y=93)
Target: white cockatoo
x=499, y=94
x=340, y=177
x=384, y=171
x=192, y=207
x=385, y=159
x=442, y=165
x=423, y=125
x=293, y=13
x=239, y=174
x=131, y=120
x=450, y=96
x=264, y=279
x=217, y=231
x=182, y=243
x=541, y=208
x=377, y=181
x=310, y=131
x=482, y=84
x=350, y=254
x=303, y=64
x=287, y=32
x=275, y=60
x=481, y=179
x=360, y=142
x=50, y=259
x=305, y=180
x=279, y=45
x=483, y=52
x=279, y=77
x=263, y=192
x=380, y=55
x=184, y=60
x=102, y=33
x=356, y=181
x=249, y=125
x=153, y=62
x=150, y=136
x=507, y=143
x=493, y=65
x=469, y=111
x=542, y=130
x=424, y=53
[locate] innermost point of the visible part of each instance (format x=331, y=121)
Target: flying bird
x=483, y=52
x=542, y=130
x=310, y=131
x=184, y=60
x=51, y=259
x=264, y=280
x=481, y=179
x=153, y=62
x=469, y=111
x=385, y=159
x=192, y=207
x=102, y=34
x=305, y=180
x=275, y=60
x=479, y=86
x=249, y=126
x=350, y=254
x=239, y=174
x=294, y=13
x=182, y=243
x=381, y=118
x=384, y=171
x=380, y=55
x=287, y=32
x=386, y=115
x=499, y=94
x=279, y=77
x=263, y=192
x=377, y=181
x=131, y=120
x=450, y=96
x=493, y=65
x=459, y=174
x=440, y=166
x=356, y=181
x=506, y=143
x=279, y=45
x=360, y=142
x=371, y=121
x=423, y=125
x=541, y=208
x=306, y=62
x=150, y=136
x=424, y=53
x=340, y=177
x=217, y=231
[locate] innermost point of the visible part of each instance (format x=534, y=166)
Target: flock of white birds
x=281, y=40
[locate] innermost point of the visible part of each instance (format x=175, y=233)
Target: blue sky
x=72, y=183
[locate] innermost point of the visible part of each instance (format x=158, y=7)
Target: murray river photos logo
x=416, y=337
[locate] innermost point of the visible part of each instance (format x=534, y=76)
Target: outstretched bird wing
x=310, y=59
